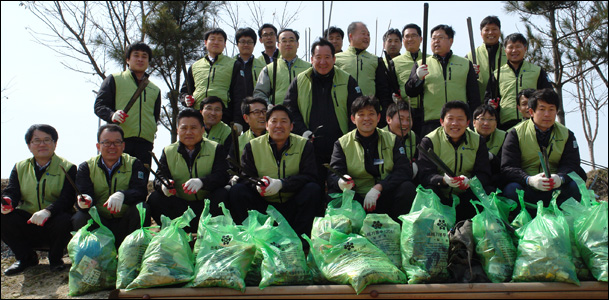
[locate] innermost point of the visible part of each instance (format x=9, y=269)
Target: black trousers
x=120, y=227
x=174, y=206
x=394, y=204
x=140, y=148
x=22, y=238
x=299, y=211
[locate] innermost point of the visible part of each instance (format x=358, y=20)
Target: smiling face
x=42, y=146
x=523, y=107
x=110, y=146
x=515, y=51
x=215, y=44
x=323, y=60
x=190, y=132
x=366, y=120
x=360, y=37
x=257, y=117
x=288, y=45
x=412, y=40
x=400, y=123
x=138, y=61
x=544, y=116
x=245, y=44
x=212, y=114
x=268, y=38
x=440, y=42
x=455, y=123
x=279, y=126
x=490, y=34
x=485, y=124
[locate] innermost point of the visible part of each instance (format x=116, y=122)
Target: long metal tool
x=235, y=139
x=71, y=182
x=138, y=92
x=436, y=160
x=543, y=158
x=165, y=180
x=471, y=40
x=425, y=19
x=257, y=181
x=188, y=87
x=337, y=173
x=159, y=177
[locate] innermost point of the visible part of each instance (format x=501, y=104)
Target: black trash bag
x=464, y=265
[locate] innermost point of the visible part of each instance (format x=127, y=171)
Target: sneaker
x=21, y=265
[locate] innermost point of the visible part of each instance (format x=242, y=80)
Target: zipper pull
x=450, y=73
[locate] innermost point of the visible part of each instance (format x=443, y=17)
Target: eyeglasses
x=439, y=38
x=258, y=112
x=267, y=35
x=411, y=36
x=211, y=109
x=486, y=120
x=108, y=143
x=39, y=141
x=246, y=42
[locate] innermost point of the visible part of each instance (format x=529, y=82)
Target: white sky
x=41, y=90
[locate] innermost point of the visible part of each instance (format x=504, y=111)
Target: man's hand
x=494, y=102
x=477, y=69
x=422, y=71
x=189, y=100
x=8, y=207
x=273, y=186
x=233, y=180
x=40, y=217
x=540, y=182
x=192, y=186
x=346, y=185
x=119, y=116
x=556, y=181
x=238, y=128
x=115, y=202
x=463, y=182
x=396, y=97
x=490, y=156
x=370, y=200
x=86, y=202
x=308, y=135
x=460, y=182
x=415, y=169
x=167, y=191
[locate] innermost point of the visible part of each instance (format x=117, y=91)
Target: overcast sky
x=37, y=88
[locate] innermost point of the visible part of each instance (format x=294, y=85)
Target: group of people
x=277, y=130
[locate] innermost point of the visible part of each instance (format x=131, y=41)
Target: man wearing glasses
x=114, y=183
x=268, y=37
x=251, y=67
x=485, y=124
x=215, y=129
x=37, y=203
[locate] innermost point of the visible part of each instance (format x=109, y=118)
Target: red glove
x=190, y=100
x=8, y=207
x=494, y=102
x=119, y=116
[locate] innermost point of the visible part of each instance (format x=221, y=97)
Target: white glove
x=307, y=134
x=119, y=116
x=463, y=182
x=86, y=202
x=238, y=128
x=370, y=200
x=477, y=69
x=39, y=217
x=189, y=100
x=168, y=192
x=115, y=202
x=346, y=185
x=233, y=180
x=415, y=169
x=422, y=71
x=490, y=156
x=453, y=182
x=273, y=186
x=269, y=107
x=556, y=181
x=540, y=182
x=192, y=186
x=396, y=97
x=494, y=102
x=9, y=207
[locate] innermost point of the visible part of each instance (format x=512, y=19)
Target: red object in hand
x=494, y=103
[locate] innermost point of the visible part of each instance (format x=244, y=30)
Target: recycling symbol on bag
x=226, y=239
x=442, y=225
x=349, y=246
x=377, y=225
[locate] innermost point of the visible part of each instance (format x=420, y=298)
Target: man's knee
x=80, y=219
x=509, y=191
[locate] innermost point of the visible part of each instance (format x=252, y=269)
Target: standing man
x=251, y=67
x=520, y=162
x=392, y=43
x=215, y=130
x=444, y=78
x=335, y=36
x=485, y=124
x=515, y=76
x=322, y=96
x=368, y=70
x=139, y=123
x=37, y=202
x=197, y=168
x=286, y=164
x=268, y=37
x=114, y=183
x=399, y=123
x=463, y=151
x=373, y=162
x=276, y=77
x=216, y=75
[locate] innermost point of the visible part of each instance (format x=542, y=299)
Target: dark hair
x=110, y=128
x=526, y=92
x=215, y=31
x=279, y=107
x=516, y=37
x=245, y=104
x=210, y=100
x=363, y=101
x=449, y=30
x=266, y=25
x=248, y=32
x=395, y=107
x=548, y=96
x=485, y=108
x=139, y=46
x=490, y=20
x=322, y=42
x=390, y=32
x=412, y=25
x=290, y=30
x=48, y=129
x=334, y=29
x=455, y=104
x=191, y=113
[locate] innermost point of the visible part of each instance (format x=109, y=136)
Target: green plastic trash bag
x=93, y=256
x=383, y=232
x=225, y=254
x=494, y=243
x=131, y=251
x=544, y=250
x=503, y=206
x=353, y=259
x=424, y=238
x=254, y=220
x=523, y=217
x=574, y=210
x=168, y=260
x=322, y=225
x=343, y=204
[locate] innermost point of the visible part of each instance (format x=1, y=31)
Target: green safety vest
x=495, y=141
x=361, y=66
x=212, y=79
x=529, y=148
x=403, y=65
x=461, y=160
x=245, y=138
x=218, y=133
x=410, y=142
x=482, y=60
x=39, y=194
x=340, y=93
x=141, y=122
x=438, y=91
x=284, y=77
x=355, y=157
x=118, y=182
x=180, y=172
x=510, y=84
x=266, y=165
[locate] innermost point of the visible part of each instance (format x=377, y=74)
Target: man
x=373, y=162
x=276, y=77
x=520, y=163
x=196, y=168
x=485, y=124
x=254, y=113
x=392, y=43
x=114, y=183
x=251, y=67
x=285, y=162
x=139, y=123
x=403, y=64
x=368, y=70
x=215, y=130
x=488, y=55
x=37, y=202
x=268, y=37
x=463, y=151
x=216, y=75
x=322, y=96
x=399, y=123
x=335, y=36
x=515, y=76
x=444, y=78
x=523, y=102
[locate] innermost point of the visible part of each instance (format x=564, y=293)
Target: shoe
x=57, y=267
x=21, y=265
